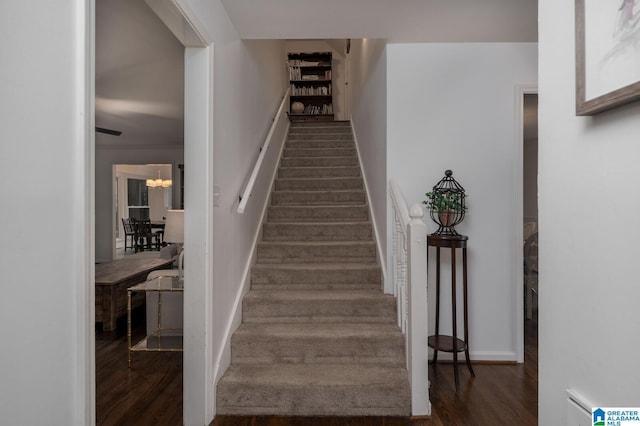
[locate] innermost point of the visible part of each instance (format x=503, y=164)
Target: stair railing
x=276, y=131
x=409, y=272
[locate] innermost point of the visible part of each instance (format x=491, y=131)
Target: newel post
x=417, y=329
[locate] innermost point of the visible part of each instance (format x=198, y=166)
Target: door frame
x=520, y=92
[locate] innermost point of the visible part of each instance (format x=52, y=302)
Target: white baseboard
x=482, y=356
x=578, y=409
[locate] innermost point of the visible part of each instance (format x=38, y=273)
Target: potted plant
x=445, y=204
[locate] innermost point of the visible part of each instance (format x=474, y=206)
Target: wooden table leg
x=454, y=319
x=466, y=310
x=109, y=318
x=435, y=350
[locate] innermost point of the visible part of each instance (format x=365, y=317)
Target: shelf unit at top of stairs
x=311, y=85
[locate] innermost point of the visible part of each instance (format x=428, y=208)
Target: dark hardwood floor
x=150, y=393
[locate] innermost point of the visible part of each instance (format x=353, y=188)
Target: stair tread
x=310, y=224
x=322, y=178
x=332, y=243
x=332, y=294
x=319, y=157
x=322, y=375
x=314, y=329
x=321, y=191
x=317, y=266
x=316, y=207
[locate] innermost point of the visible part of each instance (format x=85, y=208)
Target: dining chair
x=145, y=238
x=129, y=233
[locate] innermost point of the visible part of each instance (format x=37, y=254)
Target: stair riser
x=320, y=124
x=318, y=172
x=305, y=400
x=318, y=161
x=319, y=130
x=317, y=198
x=318, y=214
x=273, y=275
x=263, y=349
x=320, y=144
x=319, y=137
x=319, y=152
x=311, y=310
x=302, y=253
x=306, y=287
x=318, y=184
x=317, y=232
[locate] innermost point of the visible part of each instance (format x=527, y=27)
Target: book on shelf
x=310, y=90
x=295, y=73
x=318, y=110
x=303, y=63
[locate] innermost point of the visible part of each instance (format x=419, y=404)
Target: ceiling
x=140, y=64
x=396, y=20
x=139, y=72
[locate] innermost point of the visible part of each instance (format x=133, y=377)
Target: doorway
x=530, y=221
x=141, y=192
x=197, y=51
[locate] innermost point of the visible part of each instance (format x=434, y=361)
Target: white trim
x=84, y=237
x=580, y=400
x=198, y=383
x=418, y=307
x=518, y=168
x=488, y=356
x=182, y=22
x=382, y=262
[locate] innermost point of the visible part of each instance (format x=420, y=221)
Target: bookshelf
x=311, y=86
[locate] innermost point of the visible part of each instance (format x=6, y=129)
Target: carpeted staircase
x=318, y=336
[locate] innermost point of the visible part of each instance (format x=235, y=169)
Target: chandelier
x=159, y=183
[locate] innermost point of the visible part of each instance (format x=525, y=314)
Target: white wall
x=368, y=91
x=45, y=255
x=452, y=106
x=244, y=109
x=249, y=81
x=338, y=71
x=106, y=158
x=588, y=178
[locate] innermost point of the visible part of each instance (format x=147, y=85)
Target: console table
x=451, y=343
x=112, y=280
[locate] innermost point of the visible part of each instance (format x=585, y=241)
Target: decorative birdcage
x=446, y=203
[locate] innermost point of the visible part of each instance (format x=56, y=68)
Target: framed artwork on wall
x=607, y=54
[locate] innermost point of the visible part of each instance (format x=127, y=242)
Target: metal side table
x=162, y=339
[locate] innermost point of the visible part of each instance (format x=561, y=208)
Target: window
x=138, y=199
